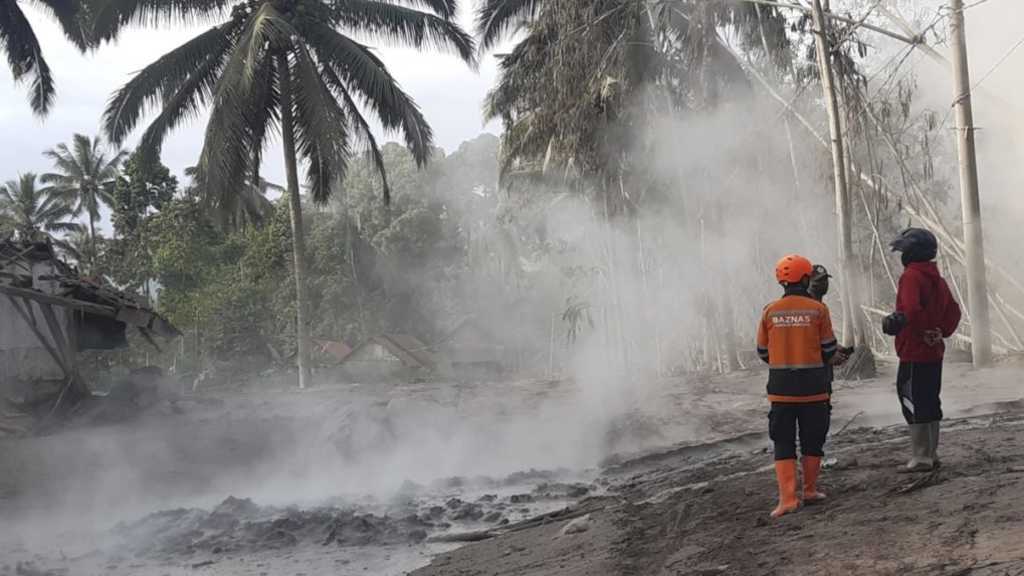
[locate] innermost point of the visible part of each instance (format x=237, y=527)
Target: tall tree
x=85, y=175
x=580, y=93
x=139, y=190
x=587, y=77
x=252, y=207
x=32, y=212
x=79, y=246
x=289, y=65
x=24, y=54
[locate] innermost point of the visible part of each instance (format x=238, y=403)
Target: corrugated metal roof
x=411, y=346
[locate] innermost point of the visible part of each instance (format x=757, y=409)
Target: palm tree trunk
x=298, y=236
x=92, y=243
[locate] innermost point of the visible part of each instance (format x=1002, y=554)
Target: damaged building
x=471, y=350
x=389, y=357
x=51, y=313
x=482, y=347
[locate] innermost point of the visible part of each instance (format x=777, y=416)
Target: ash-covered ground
x=386, y=479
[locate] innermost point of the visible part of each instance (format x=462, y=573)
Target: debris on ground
x=964, y=518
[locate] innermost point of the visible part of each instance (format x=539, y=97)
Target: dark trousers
x=918, y=385
x=808, y=421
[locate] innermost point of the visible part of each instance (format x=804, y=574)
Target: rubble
x=240, y=526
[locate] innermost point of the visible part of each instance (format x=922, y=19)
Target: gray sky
x=448, y=91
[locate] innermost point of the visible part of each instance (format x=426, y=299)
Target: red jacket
x=925, y=299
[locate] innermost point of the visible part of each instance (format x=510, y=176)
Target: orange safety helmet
x=792, y=269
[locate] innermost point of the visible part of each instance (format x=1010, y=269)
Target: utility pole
x=977, y=285
x=843, y=205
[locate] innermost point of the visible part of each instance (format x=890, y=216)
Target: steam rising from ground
x=663, y=292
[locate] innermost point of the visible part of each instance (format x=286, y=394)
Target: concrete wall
x=22, y=358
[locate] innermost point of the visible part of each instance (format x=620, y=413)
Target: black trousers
x=808, y=421
x=918, y=385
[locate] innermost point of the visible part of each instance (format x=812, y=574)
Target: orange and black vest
x=795, y=338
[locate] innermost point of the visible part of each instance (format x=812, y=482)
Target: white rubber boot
x=933, y=437
x=921, y=446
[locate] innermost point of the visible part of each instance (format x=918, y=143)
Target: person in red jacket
x=926, y=313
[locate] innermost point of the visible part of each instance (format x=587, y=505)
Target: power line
x=972, y=5
x=999, y=62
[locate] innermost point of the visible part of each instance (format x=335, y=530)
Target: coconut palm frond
x=111, y=16
x=73, y=18
x=84, y=178
x=25, y=57
x=84, y=173
x=33, y=212
x=230, y=144
x=232, y=70
x=182, y=80
x=495, y=19
x=405, y=26
x=365, y=76
x=322, y=131
x=363, y=134
x=446, y=9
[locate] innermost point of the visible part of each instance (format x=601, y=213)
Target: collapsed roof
x=103, y=312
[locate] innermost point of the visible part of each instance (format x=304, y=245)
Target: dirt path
x=701, y=513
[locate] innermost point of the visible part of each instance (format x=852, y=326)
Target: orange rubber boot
x=812, y=468
x=785, y=474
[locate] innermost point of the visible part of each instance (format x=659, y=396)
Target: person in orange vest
x=795, y=338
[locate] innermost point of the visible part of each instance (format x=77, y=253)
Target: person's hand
x=894, y=323
x=841, y=356
x=933, y=337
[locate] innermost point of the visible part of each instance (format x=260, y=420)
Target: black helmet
x=818, y=285
x=916, y=244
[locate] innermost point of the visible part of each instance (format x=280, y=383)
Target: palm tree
x=252, y=206
x=24, y=55
x=288, y=65
x=586, y=87
x=588, y=74
x=495, y=19
x=34, y=213
x=86, y=177
x=79, y=247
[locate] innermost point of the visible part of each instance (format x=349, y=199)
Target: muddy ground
x=703, y=510
x=511, y=479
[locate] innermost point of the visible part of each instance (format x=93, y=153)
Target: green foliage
x=31, y=212
x=184, y=245
x=272, y=62
x=84, y=173
x=84, y=176
x=292, y=66
x=252, y=207
x=138, y=190
x=372, y=267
